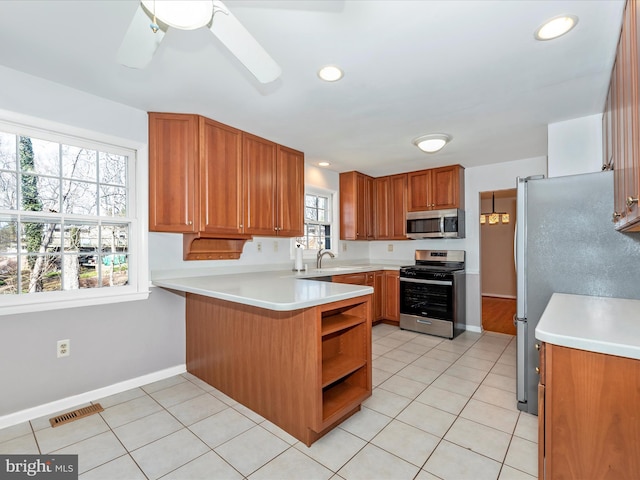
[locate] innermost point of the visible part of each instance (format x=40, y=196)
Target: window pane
x=7, y=151
x=115, y=270
x=45, y=157
x=8, y=191
x=37, y=235
x=8, y=236
x=114, y=238
x=79, y=198
x=311, y=200
x=113, y=201
x=113, y=168
x=322, y=216
x=40, y=273
x=322, y=203
x=79, y=163
x=310, y=213
x=8, y=274
x=80, y=237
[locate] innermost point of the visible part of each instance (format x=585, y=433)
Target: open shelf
x=333, y=369
x=344, y=395
x=340, y=321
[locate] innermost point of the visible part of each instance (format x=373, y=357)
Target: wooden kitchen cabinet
x=435, y=189
x=304, y=370
x=274, y=188
x=390, y=195
x=378, y=281
x=356, y=206
x=621, y=124
x=174, y=160
x=391, y=298
x=588, y=413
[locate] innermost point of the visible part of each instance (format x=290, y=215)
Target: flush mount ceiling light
x=555, y=27
x=330, y=73
x=323, y=164
x=432, y=143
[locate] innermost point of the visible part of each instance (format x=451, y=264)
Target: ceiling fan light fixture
x=182, y=14
x=555, y=27
x=432, y=143
x=330, y=73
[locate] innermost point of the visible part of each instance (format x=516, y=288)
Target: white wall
x=575, y=146
x=109, y=343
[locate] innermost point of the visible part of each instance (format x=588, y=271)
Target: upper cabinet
x=390, y=194
x=621, y=124
x=217, y=184
x=435, y=189
x=173, y=163
x=356, y=206
x=274, y=188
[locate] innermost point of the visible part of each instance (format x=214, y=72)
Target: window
x=318, y=215
x=67, y=218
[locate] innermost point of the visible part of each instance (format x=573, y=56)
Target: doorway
x=497, y=271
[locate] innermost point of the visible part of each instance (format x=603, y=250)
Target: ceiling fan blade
x=241, y=43
x=139, y=43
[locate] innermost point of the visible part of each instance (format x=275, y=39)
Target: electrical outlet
x=259, y=246
x=275, y=245
x=390, y=247
x=344, y=246
x=64, y=348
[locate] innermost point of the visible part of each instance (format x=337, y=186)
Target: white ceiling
x=471, y=69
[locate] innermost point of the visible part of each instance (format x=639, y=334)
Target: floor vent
x=75, y=415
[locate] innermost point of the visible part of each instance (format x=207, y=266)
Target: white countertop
x=596, y=324
x=275, y=290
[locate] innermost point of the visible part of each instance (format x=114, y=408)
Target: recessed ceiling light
x=323, y=164
x=432, y=142
x=555, y=27
x=330, y=73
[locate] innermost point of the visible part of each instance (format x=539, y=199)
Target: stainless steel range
x=432, y=293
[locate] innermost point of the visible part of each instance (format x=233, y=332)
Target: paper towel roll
x=298, y=263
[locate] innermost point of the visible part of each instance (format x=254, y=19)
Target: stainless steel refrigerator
x=565, y=242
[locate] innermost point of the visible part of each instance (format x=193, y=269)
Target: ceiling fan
x=143, y=38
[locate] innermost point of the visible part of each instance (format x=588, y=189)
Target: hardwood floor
x=497, y=314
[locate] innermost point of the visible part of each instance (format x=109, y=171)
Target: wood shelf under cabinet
x=335, y=368
x=344, y=395
x=339, y=321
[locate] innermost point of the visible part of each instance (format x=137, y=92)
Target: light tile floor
x=440, y=409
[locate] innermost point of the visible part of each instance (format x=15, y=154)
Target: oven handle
x=430, y=282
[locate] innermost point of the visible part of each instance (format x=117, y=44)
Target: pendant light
x=494, y=217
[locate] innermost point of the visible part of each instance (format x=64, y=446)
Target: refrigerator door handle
x=521, y=360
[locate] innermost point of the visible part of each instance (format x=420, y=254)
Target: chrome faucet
x=322, y=253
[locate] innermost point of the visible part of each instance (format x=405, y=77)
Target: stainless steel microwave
x=436, y=224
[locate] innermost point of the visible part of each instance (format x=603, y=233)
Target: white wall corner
x=575, y=146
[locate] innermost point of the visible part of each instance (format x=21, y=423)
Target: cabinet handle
x=190, y=222
x=538, y=370
x=537, y=346
x=631, y=201
x=615, y=217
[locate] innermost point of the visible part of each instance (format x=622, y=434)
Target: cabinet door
x=173, y=160
x=382, y=200
x=445, y=187
x=290, y=192
x=364, y=207
x=220, y=178
x=391, y=302
x=616, y=144
x=351, y=278
x=418, y=191
x=259, y=164
x=632, y=124
x=397, y=207
x=378, y=295
x=348, y=206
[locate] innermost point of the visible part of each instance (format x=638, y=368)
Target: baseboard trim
x=473, y=328
x=75, y=400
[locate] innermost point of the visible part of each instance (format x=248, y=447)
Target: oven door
x=427, y=306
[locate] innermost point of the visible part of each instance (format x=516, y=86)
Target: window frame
x=137, y=287
x=333, y=218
